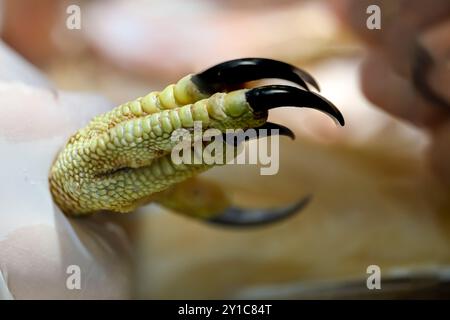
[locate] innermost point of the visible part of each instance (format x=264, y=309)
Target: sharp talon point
x=238, y=217
x=234, y=139
x=276, y=96
x=282, y=130
x=238, y=71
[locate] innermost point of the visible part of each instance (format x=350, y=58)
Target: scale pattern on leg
x=87, y=170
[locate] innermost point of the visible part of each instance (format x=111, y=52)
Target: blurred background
x=378, y=198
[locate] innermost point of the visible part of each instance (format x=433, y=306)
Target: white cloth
x=38, y=244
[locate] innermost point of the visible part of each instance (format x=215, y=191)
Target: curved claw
x=275, y=96
x=269, y=126
x=268, y=129
x=238, y=217
x=235, y=72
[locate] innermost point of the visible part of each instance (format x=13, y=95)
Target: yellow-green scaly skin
x=121, y=159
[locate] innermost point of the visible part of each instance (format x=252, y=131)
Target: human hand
x=407, y=70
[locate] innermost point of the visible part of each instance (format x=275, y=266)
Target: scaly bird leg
x=122, y=158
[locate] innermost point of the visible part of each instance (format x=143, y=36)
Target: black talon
x=237, y=138
x=238, y=217
x=269, y=126
x=421, y=68
x=269, y=97
x=231, y=73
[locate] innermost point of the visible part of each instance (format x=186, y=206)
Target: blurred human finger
x=396, y=94
x=402, y=21
x=433, y=72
